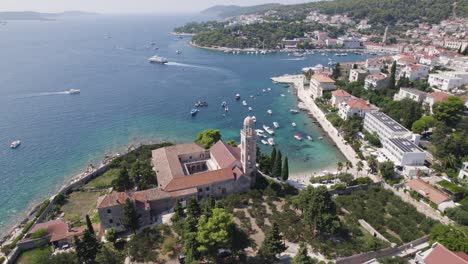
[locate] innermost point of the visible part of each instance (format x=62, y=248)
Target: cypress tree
x=272, y=244
x=277, y=167
x=285, y=170
x=178, y=212
x=89, y=224
x=465, y=51
x=391, y=81
x=302, y=256
x=272, y=159
x=193, y=208
x=130, y=216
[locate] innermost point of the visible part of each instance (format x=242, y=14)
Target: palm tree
x=360, y=165
x=348, y=165
x=339, y=166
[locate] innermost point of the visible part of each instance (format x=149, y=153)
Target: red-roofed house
x=415, y=72
x=427, y=191
x=321, y=82
x=375, y=81
x=339, y=96
x=354, y=107
x=435, y=97
x=187, y=170
x=438, y=254
x=406, y=60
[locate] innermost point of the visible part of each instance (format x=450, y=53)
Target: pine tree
x=336, y=71
x=130, y=216
x=302, y=256
x=122, y=182
x=285, y=170
x=272, y=244
x=277, y=168
x=272, y=159
x=87, y=247
x=193, y=208
x=89, y=224
x=391, y=81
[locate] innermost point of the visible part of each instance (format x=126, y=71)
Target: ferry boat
x=293, y=124
x=310, y=138
x=237, y=96
x=250, y=109
x=269, y=112
x=298, y=137
x=73, y=91
x=157, y=59
x=293, y=111
x=271, y=141
x=15, y=144
x=254, y=119
x=268, y=130
x=276, y=125
x=264, y=142
x=194, y=111
x=244, y=103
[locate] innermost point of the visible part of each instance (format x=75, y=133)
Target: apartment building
x=403, y=152
x=384, y=126
x=375, y=81
x=447, y=81
x=321, y=82
x=354, y=107
x=410, y=93
x=357, y=75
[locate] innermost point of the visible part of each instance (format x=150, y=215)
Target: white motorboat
x=269, y=89
x=294, y=111
x=254, y=119
x=293, y=124
x=264, y=142
x=268, y=130
x=309, y=138
x=298, y=137
x=263, y=90
x=269, y=112
x=250, y=108
x=157, y=59
x=15, y=144
x=320, y=138
x=73, y=91
x=271, y=141
x=260, y=132
x=276, y=125
x=244, y=103
x=282, y=95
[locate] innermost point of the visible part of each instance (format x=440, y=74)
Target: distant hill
x=233, y=10
x=30, y=15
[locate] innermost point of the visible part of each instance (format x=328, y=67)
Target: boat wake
x=42, y=94
x=295, y=59
x=171, y=63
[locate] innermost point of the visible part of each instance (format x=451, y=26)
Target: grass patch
x=34, y=255
x=452, y=187
x=78, y=204
x=104, y=180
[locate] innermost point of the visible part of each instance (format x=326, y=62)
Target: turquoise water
x=125, y=100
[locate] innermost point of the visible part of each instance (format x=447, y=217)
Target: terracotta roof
x=58, y=229
x=200, y=179
x=323, y=78
x=407, y=59
x=166, y=161
x=426, y=190
x=441, y=254
x=439, y=96
x=224, y=154
x=415, y=67
x=376, y=76
x=340, y=93
x=113, y=199
x=358, y=104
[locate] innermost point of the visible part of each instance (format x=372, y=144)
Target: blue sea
x=125, y=100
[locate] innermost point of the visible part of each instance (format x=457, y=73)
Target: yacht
x=244, y=103
x=293, y=111
x=269, y=112
x=293, y=124
x=237, y=96
x=298, y=137
x=15, y=144
x=157, y=59
x=194, y=111
x=73, y=91
x=268, y=130
x=275, y=124
x=264, y=142
x=271, y=141
x=254, y=119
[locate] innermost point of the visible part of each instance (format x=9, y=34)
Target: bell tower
x=249, y=149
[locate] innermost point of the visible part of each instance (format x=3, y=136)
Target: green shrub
x=41, y=232
x=42, y=207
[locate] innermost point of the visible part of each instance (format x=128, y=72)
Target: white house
x=410, y=93
x=353, y=107
x=321, y=82
x=339, y=96
x=402, y=152
x=415, y=72
x=376, y=81
x=357, y=74
x=428, y=60
x=349, y=43
x=447, y=81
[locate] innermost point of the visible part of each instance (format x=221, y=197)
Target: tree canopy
x=272, y=244
x=208, y=137
x=454, y=238
x=130, y=219
x=215, y=232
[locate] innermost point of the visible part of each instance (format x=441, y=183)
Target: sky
x=127, y=6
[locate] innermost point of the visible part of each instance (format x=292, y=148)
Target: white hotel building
x=399, y=145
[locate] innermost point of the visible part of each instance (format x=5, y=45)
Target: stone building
x=187, y=170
